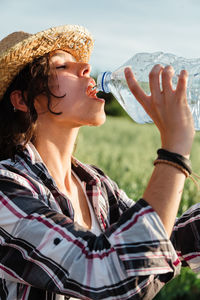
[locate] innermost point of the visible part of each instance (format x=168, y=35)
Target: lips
x=91, y=89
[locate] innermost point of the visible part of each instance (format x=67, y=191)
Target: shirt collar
x=85, y=172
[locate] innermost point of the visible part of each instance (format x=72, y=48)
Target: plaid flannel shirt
x=186, y=238
x=44, y=254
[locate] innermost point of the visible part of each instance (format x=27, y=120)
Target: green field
x=126, y=151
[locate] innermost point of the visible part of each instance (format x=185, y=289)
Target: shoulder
x=18, y=176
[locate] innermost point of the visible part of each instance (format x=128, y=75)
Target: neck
x=56, y=148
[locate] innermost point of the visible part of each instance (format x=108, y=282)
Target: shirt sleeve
x=46, y=249
x=186, y=238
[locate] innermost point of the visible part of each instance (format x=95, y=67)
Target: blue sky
x=121, y=28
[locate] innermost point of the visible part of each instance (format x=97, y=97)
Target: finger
x=134, y=87
x=181, y=88
x=167, y=75
x=154, y=81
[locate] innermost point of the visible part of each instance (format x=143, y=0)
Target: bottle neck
x=103, y=80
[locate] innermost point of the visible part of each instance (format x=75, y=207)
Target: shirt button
x=57, y=241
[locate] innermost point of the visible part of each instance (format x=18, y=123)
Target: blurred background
x=122, y=28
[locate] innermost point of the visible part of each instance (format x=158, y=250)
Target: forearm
x=170, y=112
x=164, y=192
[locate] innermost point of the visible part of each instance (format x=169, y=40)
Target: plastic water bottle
x=142, y=64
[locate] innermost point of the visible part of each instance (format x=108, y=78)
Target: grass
x=126, y=151
x=122, y=149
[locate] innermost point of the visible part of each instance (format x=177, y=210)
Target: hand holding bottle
x=168, y=107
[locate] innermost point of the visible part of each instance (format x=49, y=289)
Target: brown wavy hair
x=17, y=128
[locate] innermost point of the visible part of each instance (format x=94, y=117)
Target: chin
x=98, y=121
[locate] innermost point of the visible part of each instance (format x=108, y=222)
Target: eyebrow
x=62, y=55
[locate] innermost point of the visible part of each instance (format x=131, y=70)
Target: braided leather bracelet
x=174, y=159
x=177, y=166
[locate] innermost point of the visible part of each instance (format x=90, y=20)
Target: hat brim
x=71, y=38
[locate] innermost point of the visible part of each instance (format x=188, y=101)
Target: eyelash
x=61, y=67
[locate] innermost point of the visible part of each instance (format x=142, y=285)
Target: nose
x=84, y=70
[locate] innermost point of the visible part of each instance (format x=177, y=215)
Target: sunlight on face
x=68, y=83
x=59, y=60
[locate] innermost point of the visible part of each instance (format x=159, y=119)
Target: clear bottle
x=142, y=64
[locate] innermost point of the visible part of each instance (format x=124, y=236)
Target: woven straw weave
x=20, y=48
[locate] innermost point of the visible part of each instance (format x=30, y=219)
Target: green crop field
x=126, y=151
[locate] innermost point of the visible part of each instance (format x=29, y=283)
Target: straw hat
x=20, y=48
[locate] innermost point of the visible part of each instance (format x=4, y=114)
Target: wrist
x=178, y=150
x=178, y=142
x=178, y=147
x=174, y=159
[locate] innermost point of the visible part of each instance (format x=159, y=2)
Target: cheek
x=72, y=93
x=69, y=91
x=58, y=85
x=68, y=102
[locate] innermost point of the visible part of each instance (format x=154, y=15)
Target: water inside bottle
x=142, y=63
x=119, y=88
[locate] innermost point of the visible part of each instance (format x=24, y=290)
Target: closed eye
x=61, y=67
